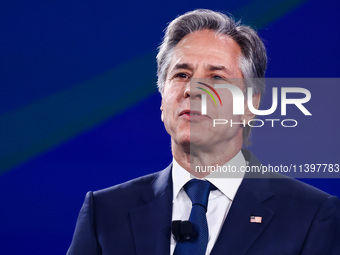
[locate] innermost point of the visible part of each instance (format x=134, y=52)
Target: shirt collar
x=228, y=186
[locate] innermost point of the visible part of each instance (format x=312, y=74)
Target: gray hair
x=252, y=62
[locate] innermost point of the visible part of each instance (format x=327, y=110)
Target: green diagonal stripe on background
x=46, y=123
x=260, y=13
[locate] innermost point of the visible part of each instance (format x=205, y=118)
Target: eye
x=217, y=77
x=181, y=76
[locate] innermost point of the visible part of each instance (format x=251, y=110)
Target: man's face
x=214, y=58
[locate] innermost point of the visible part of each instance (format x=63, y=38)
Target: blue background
x=79, y=109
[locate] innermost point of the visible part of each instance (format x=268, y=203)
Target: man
x=238, y=215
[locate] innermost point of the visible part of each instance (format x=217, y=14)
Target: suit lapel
x=238, y=234
x=151, y=221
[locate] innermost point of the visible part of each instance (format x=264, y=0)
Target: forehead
x=207, y=48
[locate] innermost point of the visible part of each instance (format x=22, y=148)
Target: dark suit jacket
x=135, y=218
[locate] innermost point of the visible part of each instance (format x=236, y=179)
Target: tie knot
x=198, y=192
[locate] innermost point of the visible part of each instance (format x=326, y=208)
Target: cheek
x=169, y=102
x=226, y=110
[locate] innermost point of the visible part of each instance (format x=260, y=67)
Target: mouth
x=193, y=115
x=188, y=112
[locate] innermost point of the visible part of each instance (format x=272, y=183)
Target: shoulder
x=130, y=194
x=289, y=188
x=284, y=192
x=281, y=185
x=128, y=188
x=298, y=199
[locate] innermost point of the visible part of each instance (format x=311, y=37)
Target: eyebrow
x=218, y=68
x=183, y=66
x=211, y=68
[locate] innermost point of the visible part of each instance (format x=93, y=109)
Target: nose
x=186, y=92
x=192, y=91
x=190, y=88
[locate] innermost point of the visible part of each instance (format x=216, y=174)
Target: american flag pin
x=255, y=219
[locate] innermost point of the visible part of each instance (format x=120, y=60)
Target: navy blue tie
x=198, y=192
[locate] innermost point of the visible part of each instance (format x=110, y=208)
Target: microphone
x=183, y=230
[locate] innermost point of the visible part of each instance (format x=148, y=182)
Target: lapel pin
x=255, y=219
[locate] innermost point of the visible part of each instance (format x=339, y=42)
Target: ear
x=162, y=114
x=248, y=115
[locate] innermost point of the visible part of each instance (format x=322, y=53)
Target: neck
x=190, y=156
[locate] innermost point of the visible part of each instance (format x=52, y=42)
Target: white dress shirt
x=219, y=200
